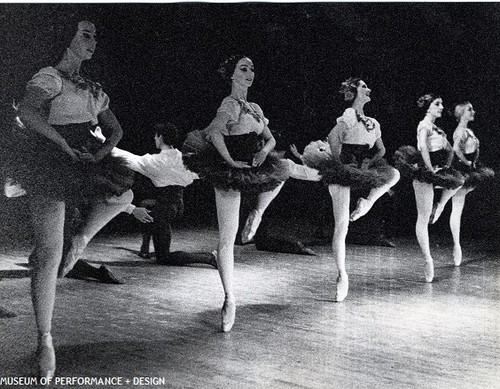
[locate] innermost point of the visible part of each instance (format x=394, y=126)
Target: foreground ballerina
x=60, y=162
x=238, y=158
x=352, y=159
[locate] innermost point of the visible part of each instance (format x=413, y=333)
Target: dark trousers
x=169, y=206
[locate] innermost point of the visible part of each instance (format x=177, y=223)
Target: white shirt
x=164, y=169
x=302, y=172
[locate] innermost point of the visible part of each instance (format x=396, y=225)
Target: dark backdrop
x=159, y=61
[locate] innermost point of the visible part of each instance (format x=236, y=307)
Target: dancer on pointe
x=352, y=159
x=466, y=146
x=429, y=166
x=60, y=162
x=239, y=158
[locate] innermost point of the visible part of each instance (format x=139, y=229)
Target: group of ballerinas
x=62, y=163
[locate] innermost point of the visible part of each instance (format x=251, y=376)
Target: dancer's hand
x=366, y=164
x=240, y=165
x=142, y=214
x=85, y=156
x=295, y=152
x=259, y=158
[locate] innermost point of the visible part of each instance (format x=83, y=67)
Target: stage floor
x=392, y=331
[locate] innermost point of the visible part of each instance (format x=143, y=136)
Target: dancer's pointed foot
x=228, y=315
x=429, y=270
x=457, y=255
x=46, y=356
x=78, y=244
x=250, y=228
x=362, y=208
x=342, y=288
x=437, y=210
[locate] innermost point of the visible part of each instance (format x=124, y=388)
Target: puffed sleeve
x=46, y=83
x=231, y=107
x=261, y=113
x=349, y=117
x=427, y=128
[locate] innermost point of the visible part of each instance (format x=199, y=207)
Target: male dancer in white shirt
x=169, y=177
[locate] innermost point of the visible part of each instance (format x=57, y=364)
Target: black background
x=159, y=62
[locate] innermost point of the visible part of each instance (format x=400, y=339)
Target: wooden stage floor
x=393, y=330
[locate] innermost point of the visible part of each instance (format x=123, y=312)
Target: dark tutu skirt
x=43, y=169
x=474, y=176
x=408, y=160
x=347, y=171
x=202, y=158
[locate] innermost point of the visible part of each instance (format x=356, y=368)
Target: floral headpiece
x=348, y=87
x=425, y=100
x=226, y=68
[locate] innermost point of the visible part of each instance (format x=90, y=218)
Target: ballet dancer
x=61, y=163
x=238, y=158
x=466, y=146
x=352, y=159
x=429, y=166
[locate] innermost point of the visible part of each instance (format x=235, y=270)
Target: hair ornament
x=347, y=88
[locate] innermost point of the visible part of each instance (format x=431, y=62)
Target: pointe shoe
x=228, y=314
x=457, y=256
x=429, y=271
x=436, y=212
x=250, y=228
x=78, y=244
x=46, y=356
x=362, y=208
x=342, y=288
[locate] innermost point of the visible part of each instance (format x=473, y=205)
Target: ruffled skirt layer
x=43, y=169
x=347, y=171
x=408, y=160
x=201, y=157
x=474, y=176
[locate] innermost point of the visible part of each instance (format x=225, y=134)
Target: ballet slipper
x=342, y=288
x=429, y=270
x=46, y=357
x=457, y=255
x=362, y=208
x=251, y=225
x=228, y=314
x=78, y=244
x=436, y=213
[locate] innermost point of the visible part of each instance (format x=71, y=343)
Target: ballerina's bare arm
x=215, y=130
x=458, y=143
x=260, y=157
x=379, y=144
x=108, y=121
x=334, y=139
x=422, y=138
x=29, y=113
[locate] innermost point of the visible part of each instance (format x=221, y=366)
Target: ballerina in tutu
x=466, y=147
x=352, y=159
x=429, y=166
x=235, y=153
x=59, y=163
